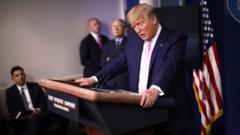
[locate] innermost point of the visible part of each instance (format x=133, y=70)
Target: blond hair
x=141, y=10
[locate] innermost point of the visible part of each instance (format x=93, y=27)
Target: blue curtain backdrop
x=231, y=65
x=227, y=35
x=131, y=3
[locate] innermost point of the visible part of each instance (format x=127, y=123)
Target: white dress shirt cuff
x=18, y=114
x=161, y=93
x=38, y=109
x=95, y=78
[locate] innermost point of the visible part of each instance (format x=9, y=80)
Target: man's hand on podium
x=88, y=81
x=149, y=97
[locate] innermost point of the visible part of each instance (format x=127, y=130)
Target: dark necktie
x=24, y=99
x=117, y=44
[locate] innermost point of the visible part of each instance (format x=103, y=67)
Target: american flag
x=207, y=81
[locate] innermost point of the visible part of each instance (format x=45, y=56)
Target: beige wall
x=43, y=35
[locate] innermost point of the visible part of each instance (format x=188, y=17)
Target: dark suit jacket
x=110, y=52
x=166, y=71
x=90, y=54
x=15, y=103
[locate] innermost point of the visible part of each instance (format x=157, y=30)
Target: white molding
x=122, y=8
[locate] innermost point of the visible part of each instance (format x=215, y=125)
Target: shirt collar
x=20, y=87
x=154, y=39
x=119, y=39
x=94, y=35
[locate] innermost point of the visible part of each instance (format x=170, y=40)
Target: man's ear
x=155, y=20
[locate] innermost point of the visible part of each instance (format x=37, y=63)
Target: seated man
x=26, y=103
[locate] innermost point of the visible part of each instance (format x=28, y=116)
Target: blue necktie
x=117, y=44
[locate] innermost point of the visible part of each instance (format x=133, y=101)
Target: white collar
x=95, y=35
x=154, y=39
x=119, y=39
x=20, y=87
x=23, y=86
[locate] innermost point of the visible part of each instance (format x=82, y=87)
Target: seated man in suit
x=111, y=51
x=91, y=48
x=26, y=103
x=154, y=57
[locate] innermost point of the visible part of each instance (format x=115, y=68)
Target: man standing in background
x=91, y=48
x=112, y=50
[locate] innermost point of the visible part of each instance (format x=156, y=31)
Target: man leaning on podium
x=154, y=57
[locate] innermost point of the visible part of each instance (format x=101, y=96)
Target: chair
x=6, y=123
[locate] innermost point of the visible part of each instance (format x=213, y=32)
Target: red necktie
x=100, y=42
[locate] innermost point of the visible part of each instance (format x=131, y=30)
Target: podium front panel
x=63, y=104
x=117, y=119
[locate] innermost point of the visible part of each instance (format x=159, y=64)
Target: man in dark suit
x=154, y=58
x=91, y=48
x=24, y=97
x=26, y=103
x=111, y=51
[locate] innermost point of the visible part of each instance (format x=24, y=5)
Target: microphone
x=108, y=76
x=99, y=82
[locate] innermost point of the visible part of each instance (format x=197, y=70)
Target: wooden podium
x=105, y=112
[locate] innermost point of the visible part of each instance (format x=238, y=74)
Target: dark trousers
x=44, y=123
x=33, y=126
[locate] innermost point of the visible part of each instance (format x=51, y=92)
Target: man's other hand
x=149, y=97
x=88, y=81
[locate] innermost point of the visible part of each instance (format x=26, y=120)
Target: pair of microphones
x=101, y=82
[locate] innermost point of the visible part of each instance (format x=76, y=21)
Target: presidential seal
x=234, y=9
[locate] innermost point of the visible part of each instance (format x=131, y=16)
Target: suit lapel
x=31, y=93
x=18, y=97
x=123, y=43
x=111, y=45
x=159, y=44
x=139, y=49
x=94, y=41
